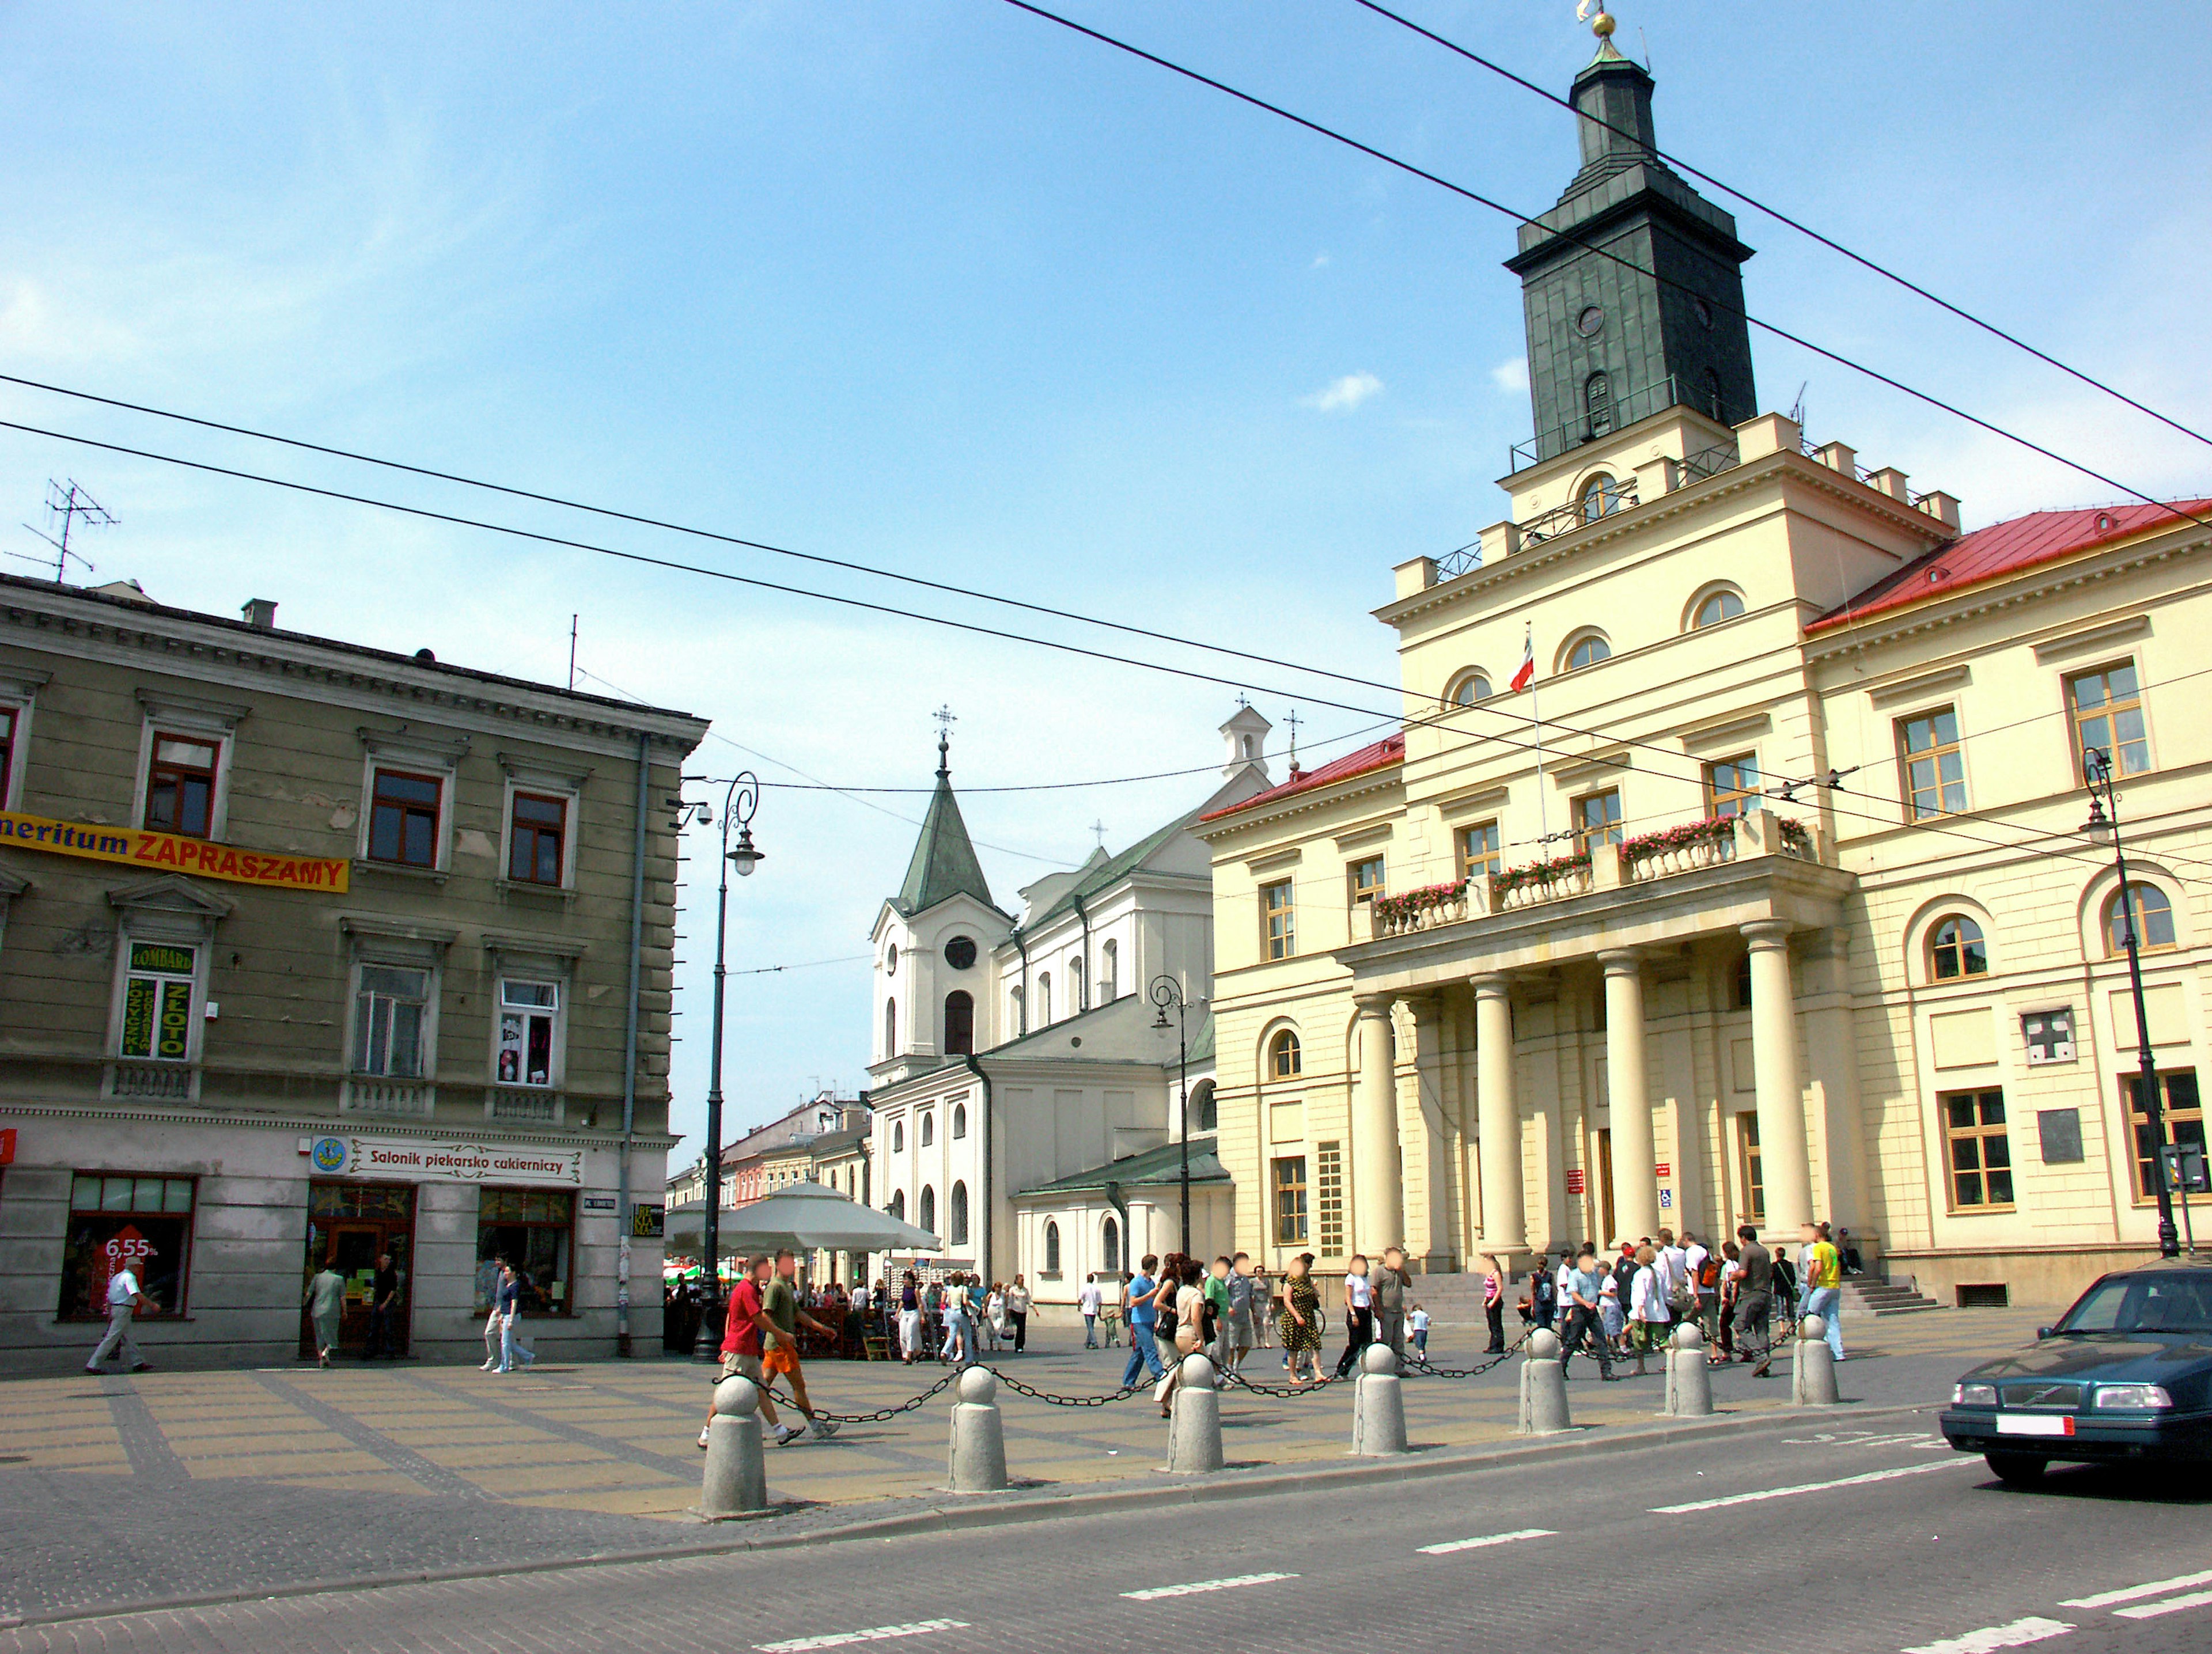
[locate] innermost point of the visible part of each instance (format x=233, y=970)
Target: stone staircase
x=1456, y=1299
x=1868, y=1294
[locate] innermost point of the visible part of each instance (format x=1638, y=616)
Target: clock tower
x=1659, y=323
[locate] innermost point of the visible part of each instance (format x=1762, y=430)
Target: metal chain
x=1021, y=1388
x=1243, y=1383
x=881, y=1414
x=1422, y=1369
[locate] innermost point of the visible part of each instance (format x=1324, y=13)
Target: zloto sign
x=446, y=1162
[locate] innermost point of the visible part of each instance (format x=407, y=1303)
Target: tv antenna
x=67, y=504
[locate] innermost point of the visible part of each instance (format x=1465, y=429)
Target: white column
x=1785, y=1161
x=1378, y=1204
x=1437, y=1179
x=1505, y=1207
x=1832, y=1053
x=1635, y=1159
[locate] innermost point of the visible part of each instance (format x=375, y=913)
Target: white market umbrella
x=813, y=1216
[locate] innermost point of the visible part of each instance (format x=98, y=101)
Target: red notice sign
x=1663, y=1169
x=1574, y=1181
x=7, y=1145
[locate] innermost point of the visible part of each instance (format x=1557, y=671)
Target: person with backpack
x=1703, y=1267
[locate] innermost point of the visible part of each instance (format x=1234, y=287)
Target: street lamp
x=2097, y=775
x=1167, y=991
x=739, y=800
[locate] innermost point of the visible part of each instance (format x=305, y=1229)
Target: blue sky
x=941, y=287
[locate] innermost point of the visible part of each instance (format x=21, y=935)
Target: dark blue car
x=2126, y=1375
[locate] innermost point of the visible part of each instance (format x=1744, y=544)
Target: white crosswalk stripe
x=1192, y=1590
x=2019, y=1634
x=2132, y=1593
x=875, y=1634
x=1486, y=1540
x=2172, y=1605
x=1806, y=1487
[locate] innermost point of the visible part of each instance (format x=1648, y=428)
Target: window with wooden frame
x=159, y=982
x=404, y=818
x=1753, y=1166
x=1286, y=1058
x=1931, y=765
x=1470, y=688
x=1588, y=651
x=1478, y=851
x=391, y=1007
x=1278, y=920
x=2107, y=708
x=1364, y=879
x=1597, y=819
x=1980, y=1149
x=7, y=717
x=180, y=775
x=2153, y=914
x=1955, y=949
x=1328, y=1198
x=1289, y=1180
x=1732, y=785
x=538, y=834
x=1718, y=607
x=2182, y=1111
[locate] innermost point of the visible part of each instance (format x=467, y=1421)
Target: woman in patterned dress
x=1301, y=1320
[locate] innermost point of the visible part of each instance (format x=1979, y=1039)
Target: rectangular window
x=1732, y=785
x=534, y=1230
x=388, y=1015
x=1328, y=1198
x=1478, y=856
x=7, y=717
x=529, y=1016
x=1755, y=1172
x=1366, y=880
x=1980, y=1152
x=2184, y=1121
x=157, y=1003
x=1597, y=819
x=1934, y=774
x=2107, y=709
x=1281, y=932
x=180, y=785
x=1289, y=1180
x=536, y=834
x=403, y=819
x=123, y=1219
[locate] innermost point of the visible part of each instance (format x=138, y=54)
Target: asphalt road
x=1839, y=1539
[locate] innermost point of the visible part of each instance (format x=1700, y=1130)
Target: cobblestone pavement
x=239, y=1480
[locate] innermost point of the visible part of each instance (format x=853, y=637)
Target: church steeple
x=943, y=864
x=1614, y=340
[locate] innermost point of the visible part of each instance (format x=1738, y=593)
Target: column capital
x=1493, y=984
x=1372, y=1005
x=1621, y=962
x=1767, y=935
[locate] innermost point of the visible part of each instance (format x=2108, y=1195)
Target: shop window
x=1328, y=1198
x=959, y=1235
x=1980, y=1155
x=1934, y=771
x=535, y=1230
x=959, y=1024
x=1051, y=1247
x=529, y=1031
x=1289, y=1180
x=2107, y=711
x=180, y=785
x=2153, y=914
x=1479, y=853
x=1955, y=948
x=536, y=834
x=1109, y=1241
x=2183, y=1116
x=157, y=1001
x=390, y=1003
x=1286, y=1058
x=1279, y=916
x=403, y=818
x=118, y=1219
x=1597, y=819
x=1732, y=785
x=1753, y=1167
x=1365, y=879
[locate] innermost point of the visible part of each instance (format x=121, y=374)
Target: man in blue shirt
x=1144, y=1317
x=1582, y=1320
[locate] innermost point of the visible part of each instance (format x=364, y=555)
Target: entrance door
x=1605, y=1185
x=349, y=1225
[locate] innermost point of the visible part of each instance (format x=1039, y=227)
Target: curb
x=1584, y=1442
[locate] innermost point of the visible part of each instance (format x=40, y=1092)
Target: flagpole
x=1535, y=713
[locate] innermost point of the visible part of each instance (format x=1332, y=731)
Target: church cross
x=1294, y=720
x=1099, y=827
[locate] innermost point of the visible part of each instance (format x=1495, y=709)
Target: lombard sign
x=417, y=1159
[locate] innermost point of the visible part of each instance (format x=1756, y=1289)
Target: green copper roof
x=943, y=864
x=1150, y=1168
x=1112, y=870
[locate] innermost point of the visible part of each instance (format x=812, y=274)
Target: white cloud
x=1320, y=260
x=1342, y=395
x=1511, y=376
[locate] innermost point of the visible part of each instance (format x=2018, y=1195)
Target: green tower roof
x=943, y=864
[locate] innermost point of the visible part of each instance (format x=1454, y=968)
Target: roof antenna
x=572, y=654
x=67, y=504
x=1797, y=409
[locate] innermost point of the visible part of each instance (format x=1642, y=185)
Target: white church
x=1026, y=1101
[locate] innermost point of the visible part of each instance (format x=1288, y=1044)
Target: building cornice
x=1379, y=780
x=324, y=1126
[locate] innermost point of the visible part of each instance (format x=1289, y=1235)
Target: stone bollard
x=1194, y=1431
x=1543, y=1388
x=976, y=1461
x=735, y=1482
x=1378, y=1405
x=1812, y=1367
x=1689, y=1381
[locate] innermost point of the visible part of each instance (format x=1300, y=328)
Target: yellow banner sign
x=173, y=852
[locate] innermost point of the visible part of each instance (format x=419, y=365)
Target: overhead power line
x=1798, y=225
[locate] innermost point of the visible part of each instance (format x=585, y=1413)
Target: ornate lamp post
x=739, y=800
x=1167, y=991
x=2097, y=775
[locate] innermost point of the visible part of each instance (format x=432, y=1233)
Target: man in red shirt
x=741, y=1342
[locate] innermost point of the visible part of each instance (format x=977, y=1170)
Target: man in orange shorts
x=780, y=1316
x=742, y=1332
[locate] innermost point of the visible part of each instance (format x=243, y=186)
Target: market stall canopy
x=803, y=1215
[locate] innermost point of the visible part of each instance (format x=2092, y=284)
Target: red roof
x=2004, y=548
x=1391, y=749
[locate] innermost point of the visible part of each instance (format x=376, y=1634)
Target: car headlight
x=2134, y=1396
x=1974, y=1396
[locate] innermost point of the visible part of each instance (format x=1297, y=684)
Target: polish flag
x=1527, y=674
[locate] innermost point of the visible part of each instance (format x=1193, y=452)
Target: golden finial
x=1601, y=26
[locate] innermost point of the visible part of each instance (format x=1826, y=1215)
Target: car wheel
x=2016, y=1469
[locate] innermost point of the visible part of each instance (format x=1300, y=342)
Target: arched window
x=891, y=1028
x=1716, y=608
x=1285, y=1060
x=2154, y=919
x=1588, y=651
x=959, y=1121
x=1109, y=1242
x=927, y=1211
x=1713, y=408
x=928, y=1130
x=1597, y=404
x=1601, y=497
x=1051, y=1247
x=1044, y=1000
x=1109, y=971
x=1014, y=999
x=1467, y=689
x=959, y=1023
x=898, y=1205
x=1204, y=1116
x=959, y=1235
x=1075, y=1001
x=898, y=1138
x=1955, y=948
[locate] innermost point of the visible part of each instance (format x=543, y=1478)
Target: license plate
x=2034, y=1424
